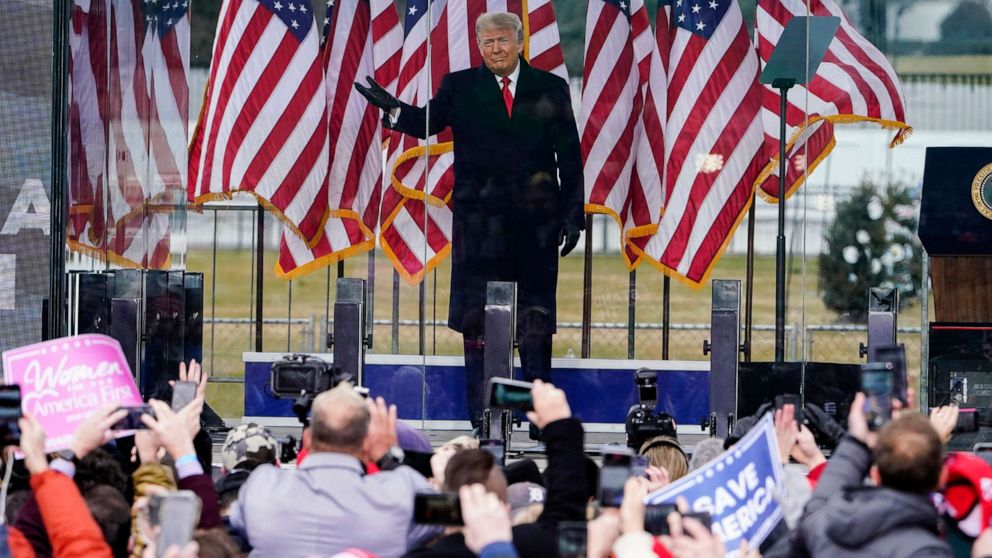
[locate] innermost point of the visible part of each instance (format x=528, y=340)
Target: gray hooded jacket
x=845, y=518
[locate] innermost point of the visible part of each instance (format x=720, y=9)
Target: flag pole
x=422, y=305
x=749, y=284
x=666, y=316
x=783, y=86
x=587, y=290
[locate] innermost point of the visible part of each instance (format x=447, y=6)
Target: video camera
x=303, y=377
x=643, y=422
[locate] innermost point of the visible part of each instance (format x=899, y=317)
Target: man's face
x=500, y=50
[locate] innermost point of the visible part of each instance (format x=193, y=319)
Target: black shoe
x=535, y=432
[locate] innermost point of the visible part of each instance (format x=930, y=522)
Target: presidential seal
x=981, y=191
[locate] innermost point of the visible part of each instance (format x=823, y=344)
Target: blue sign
x=738, y=489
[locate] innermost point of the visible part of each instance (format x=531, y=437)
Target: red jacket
x=71, y=529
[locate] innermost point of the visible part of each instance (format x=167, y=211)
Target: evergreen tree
x=871, y=243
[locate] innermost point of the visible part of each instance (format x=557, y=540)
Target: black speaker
x=831, y=387
x=125, y=320
x=90, y=304
x=193, y=335
x=156, y=331
x=960, y=365
x=760, y=382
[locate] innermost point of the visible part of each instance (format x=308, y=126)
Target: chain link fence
x=226, y=339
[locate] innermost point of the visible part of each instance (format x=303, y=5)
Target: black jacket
x=517, y=180
x=565, y=501
x=846, y=518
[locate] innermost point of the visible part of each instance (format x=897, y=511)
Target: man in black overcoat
x=518, y=189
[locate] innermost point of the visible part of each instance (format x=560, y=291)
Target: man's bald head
x=340, y=421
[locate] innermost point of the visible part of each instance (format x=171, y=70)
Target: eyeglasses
x=488, y=44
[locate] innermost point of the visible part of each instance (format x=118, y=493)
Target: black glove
x=377, y=96
x=568, y=238
x=825, y=429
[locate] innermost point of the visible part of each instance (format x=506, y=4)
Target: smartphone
x=639, y=466
x=437, y=509
x=510, y=394
x=572, y=539
x=896, y=356
x=10, y=413
x=790, y=399
x=613, y=474
x=656, y=518
x=174, y=515
x=132, y=421
x=183, y=394
x=494, y=447
x=984, y=451
x=878, y=385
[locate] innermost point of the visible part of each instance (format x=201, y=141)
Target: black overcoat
x=517, y=181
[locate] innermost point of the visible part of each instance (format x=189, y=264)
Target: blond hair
x=500, y=20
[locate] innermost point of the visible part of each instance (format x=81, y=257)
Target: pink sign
x=64, y=380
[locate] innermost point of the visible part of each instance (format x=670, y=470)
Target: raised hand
x=377, y=96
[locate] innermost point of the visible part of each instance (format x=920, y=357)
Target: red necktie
x=507, y=96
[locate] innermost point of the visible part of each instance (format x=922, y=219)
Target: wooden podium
x=956, y=231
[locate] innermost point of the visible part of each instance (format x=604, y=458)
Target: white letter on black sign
x=30, y=210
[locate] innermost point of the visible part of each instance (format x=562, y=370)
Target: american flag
x=713, y=147
x=405, y=216
x=87, y=120
x=855, y=83
x=621, y=123
x=362, y=38
x=263, y=128
x=134, y=85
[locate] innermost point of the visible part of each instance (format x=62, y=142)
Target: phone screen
x=789, y=399
x=877, y=384
x=132, y=421
x=10, y=412
x=510, y=394
x=437, y=509
x=656, y=518
x=639, y=465
x=896, y=357
x=572, y=539
x=494, y=447
x=613, y=474
x=183, y=394
x=175, y=514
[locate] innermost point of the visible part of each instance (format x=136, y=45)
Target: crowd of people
x=351, y=493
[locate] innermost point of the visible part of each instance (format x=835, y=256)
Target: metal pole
x=259, y=274
x=925, y=334
x=251, y=289
x=394, y=333
x=631, y=311
x=213, y=297
x=422, y=303
x=666, y=318
x=340, y=269
x=327, y=311
x=370, y=313
x=289, y=321
x=434, y=315
x=60, y=72
x=422, y=318
x=587, y=290
x=780, y=239
x=749, y=285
